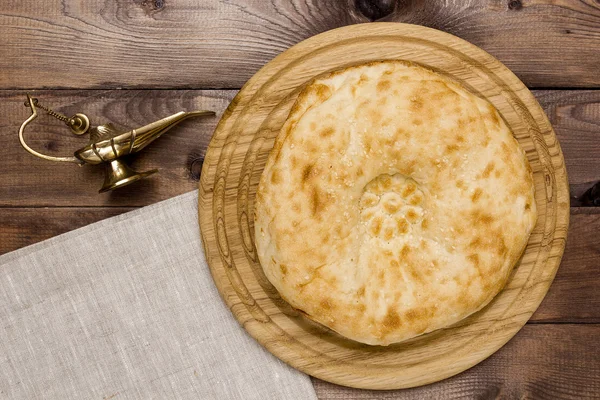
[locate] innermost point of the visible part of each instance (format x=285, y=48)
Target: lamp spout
x=143, y=136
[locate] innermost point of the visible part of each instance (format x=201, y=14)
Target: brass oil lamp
x=107, y=144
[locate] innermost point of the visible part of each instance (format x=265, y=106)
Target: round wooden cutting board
x=235, y=160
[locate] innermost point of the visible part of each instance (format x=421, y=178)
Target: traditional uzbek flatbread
x=394, y=202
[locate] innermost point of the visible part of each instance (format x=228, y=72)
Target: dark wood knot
x=153, y=5
x=591, y=198
x=194, y=163
x=515, y=5
x=375, y=9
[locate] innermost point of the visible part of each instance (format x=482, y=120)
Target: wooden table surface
x=133, y=61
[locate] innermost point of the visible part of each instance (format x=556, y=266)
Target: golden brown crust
x=394, y=203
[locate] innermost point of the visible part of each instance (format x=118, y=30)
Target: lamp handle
x=29, y=149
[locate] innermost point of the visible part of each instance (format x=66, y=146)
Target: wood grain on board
x=233, y=165
x=222, y=43
x=541, y=362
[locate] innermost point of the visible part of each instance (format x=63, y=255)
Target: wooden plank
x=28, y=181
x=575, y=116
x=221, y=43
x=25, y=226
x=574, y=294
x=540, y=362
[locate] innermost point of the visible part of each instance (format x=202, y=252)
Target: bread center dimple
x=390, y=206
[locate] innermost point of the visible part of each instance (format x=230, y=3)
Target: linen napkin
x=126, y=309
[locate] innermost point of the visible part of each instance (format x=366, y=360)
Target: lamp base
x=119, y=174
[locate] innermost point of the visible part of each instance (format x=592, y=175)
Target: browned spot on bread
x=474, y=258
x=375, y=115
x=296, y=207
x=283, y=268
x=414, y=314
x=424, y=223
x=494, y=115
x=306, y=172
x=363, y=79
x=275, y=176
x=413, y=270
x=460, y=184
x=387, y=122
x=360, y=172
x=481, y=217
x=416, y=199
x=326, y=304
x=411, y=216
x=409, y=168
x=369, y=200
x=383, y=85
x=451, y=148
x=391, y=207
x=497, y=173
x=391, y=320
x=386, y=182
x=402, y=133
x=361, y=291
x=326, y=132
x=460, y=139
x=316, y=201
x=527, y=206
x=293, y=161
x=506, y=154
x=388, y=234
x=488, y=170
x=404, y=252
x=408, y=189
x=417, y=121
x=464, y=298
x=476, y=195
x=416, y=103
x=501, y=248
x=402, y=225
x=475, y=243
x=376, y=225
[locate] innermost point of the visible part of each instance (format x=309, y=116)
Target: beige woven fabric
x=145, y=322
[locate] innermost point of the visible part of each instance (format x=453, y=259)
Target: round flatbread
x=394, y=202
